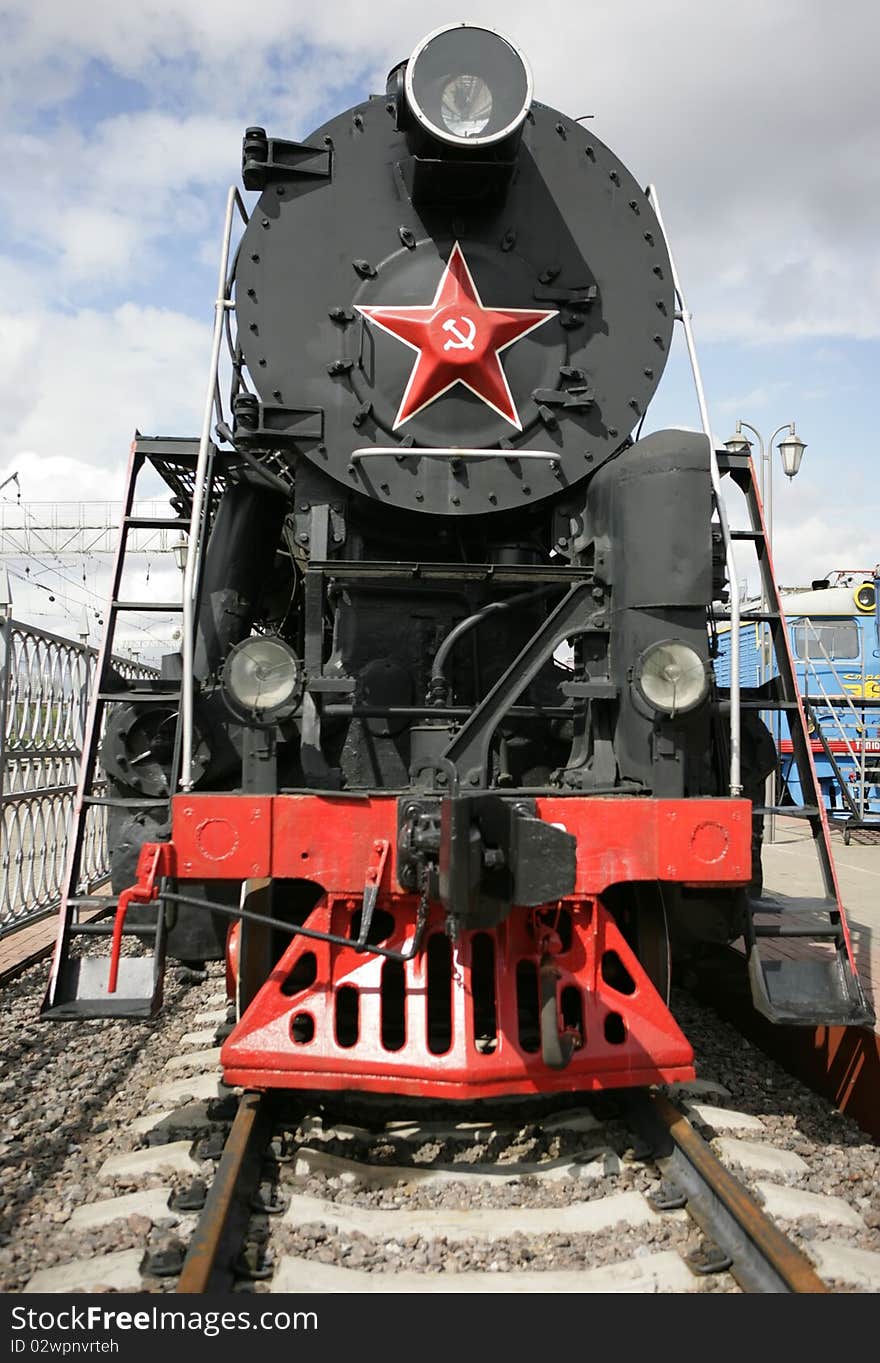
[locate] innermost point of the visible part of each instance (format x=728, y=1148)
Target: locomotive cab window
x=834, y=639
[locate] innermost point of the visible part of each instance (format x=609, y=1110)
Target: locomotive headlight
x=262, y=680
x=468, y=85
x=672, y=677
x=466, y=105
x=865, y=597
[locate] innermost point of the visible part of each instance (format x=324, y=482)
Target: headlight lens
x=262, y=679
x=865, y=597
x=672, y=677
x=466, y=105
x=467, y=84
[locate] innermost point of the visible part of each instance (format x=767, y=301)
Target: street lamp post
x=791, y=450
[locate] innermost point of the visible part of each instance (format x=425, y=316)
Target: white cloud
x=755, y=400
x=80, y=384
x=757, y=122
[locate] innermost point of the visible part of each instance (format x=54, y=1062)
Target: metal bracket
x=272, y=160
x=258, y=424
x=375, y=870
x=154, y=862
x=709, y=1258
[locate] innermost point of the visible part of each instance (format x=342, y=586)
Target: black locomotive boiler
x=450, y=757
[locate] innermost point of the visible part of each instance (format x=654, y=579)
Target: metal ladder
x=819, y=985
x=78, y=983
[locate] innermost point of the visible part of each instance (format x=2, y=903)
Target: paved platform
x=790, y=869
x=25, y=946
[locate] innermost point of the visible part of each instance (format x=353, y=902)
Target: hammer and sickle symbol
x=461, y=342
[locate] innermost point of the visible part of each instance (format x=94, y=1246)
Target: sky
x=121, y=132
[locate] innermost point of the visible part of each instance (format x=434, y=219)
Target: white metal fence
x=45, y=682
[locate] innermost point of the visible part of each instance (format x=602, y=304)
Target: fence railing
x=45, y=682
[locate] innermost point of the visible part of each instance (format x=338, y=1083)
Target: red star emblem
x=457, y=340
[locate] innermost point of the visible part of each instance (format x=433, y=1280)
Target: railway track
x=186, y=1187
x=739, y=1238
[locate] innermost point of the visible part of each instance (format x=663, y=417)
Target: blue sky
x=121, y=131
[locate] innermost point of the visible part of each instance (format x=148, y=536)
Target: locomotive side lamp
x=262, y=681
x=671, y=677
x=467, y=85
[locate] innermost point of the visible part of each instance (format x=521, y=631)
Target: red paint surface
x=457, y=340
x=330, y=840
x=625, y=1033
x=646, y=1046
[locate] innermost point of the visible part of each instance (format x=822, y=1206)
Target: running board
x=81, y=988
x=815, y=988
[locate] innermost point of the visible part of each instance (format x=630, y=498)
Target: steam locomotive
x=451, y=790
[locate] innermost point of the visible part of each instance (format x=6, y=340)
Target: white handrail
x=193, y=558
x=684, y=317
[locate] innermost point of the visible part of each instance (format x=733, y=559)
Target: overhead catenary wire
x=90, y=598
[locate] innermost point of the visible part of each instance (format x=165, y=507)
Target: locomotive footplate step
x=81, y=988
x=816, y=986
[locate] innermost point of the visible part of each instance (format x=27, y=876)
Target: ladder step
x=724, y=705
x=142, y=697
x=148, y=607
x=144, y=930
x=80, y=990
x=125, y=801
x=155, y=523
x=789, y=930
x=747, y=534
x=748, y=617
x=91, y=901
x=803, y=904
x=790, y=811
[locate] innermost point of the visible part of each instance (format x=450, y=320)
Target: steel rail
x=761, y=1258
x=214, y=1249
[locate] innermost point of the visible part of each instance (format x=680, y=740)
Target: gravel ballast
x=75, y=1093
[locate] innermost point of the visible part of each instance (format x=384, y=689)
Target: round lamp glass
x=466, y=106
x=673, y=677
x=466, y=84
x=261, y=675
